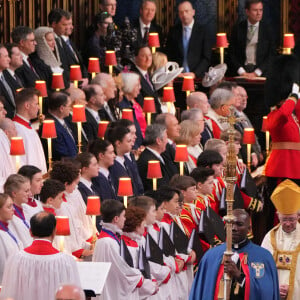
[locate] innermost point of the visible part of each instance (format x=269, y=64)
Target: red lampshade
x=41, y=86
x=264, y=126
x=249, y=136
x=17, y=146
x=181, y=153
x=221, y=40
x=62, y=225
x=94, y=66
x=288, y=40
x=102, y=128
x=153, y=39
x=78, y=113
x=57, y=81
x=149, y=105
x=154, y=170
x=110, y=58
x=125, y=187
x=75, y=73
x=188, y=84
x=93, y=206
x=168, y=94
x=127, y=114
x=48, y=130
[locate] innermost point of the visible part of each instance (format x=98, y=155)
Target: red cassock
x=284, y=127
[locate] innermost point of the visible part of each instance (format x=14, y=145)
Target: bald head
x=8, y=126
x=69, y=292
x=77, y=96
x=198, y=100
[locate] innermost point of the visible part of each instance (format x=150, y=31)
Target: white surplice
x=19, y=229
x=29, y=211
x=34, y=153
x=122, y=280
x=36, y=277
x=287, y=242
x=8, y=246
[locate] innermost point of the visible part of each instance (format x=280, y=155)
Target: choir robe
x=123, y=281
x=36, y=272
x=261, y=280
x=31, y=208
x=34, y=153
x=8, y=165
x=185, y=277
x=8, y=247
x=161, y=274
x=286, y=242
x=169, y=261
x=20, y=230
x=133, y=241
x=76, y=242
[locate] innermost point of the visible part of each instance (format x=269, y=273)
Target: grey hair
x=191, y=114
x=220, y=97
x=194, y=98
x=153, y=132
x=129, y=81
x=101, y=79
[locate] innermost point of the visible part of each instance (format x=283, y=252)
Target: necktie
x=107, y=109
x=69, y=131
x=148, y=80
x=185, y=43
x=251, y=32
x=18, y=80
x=146, y=35
x=110, y=182
x=8, y=89
x=68, y=42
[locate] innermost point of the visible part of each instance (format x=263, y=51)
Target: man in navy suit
x=251, y=46
x=105, y=154
x=95, y=98
x=145, y=24
x=188, y=43
x=155, y=142
x=59, y=108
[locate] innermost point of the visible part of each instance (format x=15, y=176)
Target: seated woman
x=131, y=89
x=190, y=135
x=46, y=48
x=9, y=243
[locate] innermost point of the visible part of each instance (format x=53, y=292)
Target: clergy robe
x=8, y=165
x=36, y=272
x=286, y=242
x=34, y=153
x=9, y=244
x=261, y=280
x=123, y=281
x=31, y=208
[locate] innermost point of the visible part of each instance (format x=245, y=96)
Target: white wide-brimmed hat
x=165, y=74
x=214, y=75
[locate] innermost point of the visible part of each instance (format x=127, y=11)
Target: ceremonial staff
x=230, y=178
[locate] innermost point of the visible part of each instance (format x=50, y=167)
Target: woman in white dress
x=9, y=244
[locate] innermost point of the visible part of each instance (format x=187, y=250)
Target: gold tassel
x=221, y=289
x=236, y=289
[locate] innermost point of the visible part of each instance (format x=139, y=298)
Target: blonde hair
x=14, y=183
x=3, y=199
x=214, y=144
x=159, y=60
x=188, y=130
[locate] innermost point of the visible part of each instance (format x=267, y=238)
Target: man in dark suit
x=187, y=43
x=5, y=90
x=155, y=141
x=59, y=108
x=251, y=45
x=73, y=54
x=33, y=68
x=58, y=20
x=145, y=24
x=95, y=101
x=143, y=61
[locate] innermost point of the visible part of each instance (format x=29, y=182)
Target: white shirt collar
x=104, y=172
x=86, y=182
x=64, y=37
x=11, y=72
x=61, y=121
x=156, y=154
x=142, y=71
x=255, y=25
x=93, y=112
x=120, y=159
x=190, y=25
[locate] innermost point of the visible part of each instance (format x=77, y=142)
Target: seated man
x=187, y=43
x=283, y=240
x=251, y=44
x=41, y=258
x=252, y=268
x=69, y=291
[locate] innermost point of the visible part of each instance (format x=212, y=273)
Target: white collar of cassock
x=134, y=236
x=112, y=227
